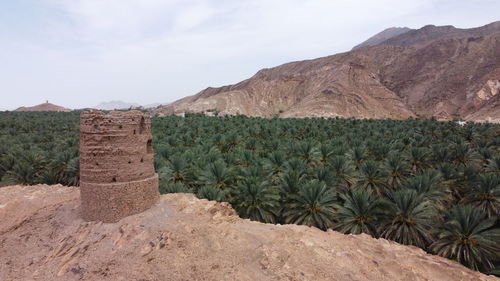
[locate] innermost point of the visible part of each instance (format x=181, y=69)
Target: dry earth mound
x=44, y=107
x=42, y=237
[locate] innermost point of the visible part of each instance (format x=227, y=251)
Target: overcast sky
x=78, y=53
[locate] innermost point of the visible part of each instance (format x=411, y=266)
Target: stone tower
x=117, y=177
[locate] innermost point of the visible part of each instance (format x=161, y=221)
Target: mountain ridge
x=408, y=75
x=120, y=105
x=382, y=36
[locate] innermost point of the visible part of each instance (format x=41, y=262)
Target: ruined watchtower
x=117, y=177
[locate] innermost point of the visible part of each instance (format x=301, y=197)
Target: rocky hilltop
x=44, y=107
x=439, y=71
x=42, y=237
x=116, y=104
x=383, y=36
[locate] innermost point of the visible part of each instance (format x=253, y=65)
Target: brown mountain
x=44, y=107
x=444, y=72
x=383, y=36
x=184, y=238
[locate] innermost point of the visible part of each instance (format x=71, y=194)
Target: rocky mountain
x=42, y=237
x=115, y=104
x=383, y=36
x=44, y=107
x=439, y=71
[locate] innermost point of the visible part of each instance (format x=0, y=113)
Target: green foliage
x=256, y=200
x=359, y=214
x=174, y=188
x=313, y=205
x=468, y=236
x=409, y=218
x=39, y=147
x=212, y=193
x=485, y=195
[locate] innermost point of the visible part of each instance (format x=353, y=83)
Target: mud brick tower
x=117, y=177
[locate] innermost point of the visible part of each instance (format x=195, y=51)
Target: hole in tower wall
x=149, y=147
x=142, y=160
x=113, y=179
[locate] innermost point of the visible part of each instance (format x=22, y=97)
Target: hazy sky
x=78, y=53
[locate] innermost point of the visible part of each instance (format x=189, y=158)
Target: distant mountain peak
x=117, y=104
x=383, y=36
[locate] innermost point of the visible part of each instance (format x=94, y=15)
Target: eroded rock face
x=43, y=237
x=117, y=176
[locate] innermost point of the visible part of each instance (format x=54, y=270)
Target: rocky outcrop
x=433, y=71
x=117, y=177
x=44, y=107
x=42, y=237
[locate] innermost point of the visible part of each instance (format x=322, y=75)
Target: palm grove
x=435, y=185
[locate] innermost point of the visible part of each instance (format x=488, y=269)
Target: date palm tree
x=178, y=169
x=291, y=181
x=396, y=169
x=485, y=195
x=313, y=205
x=371, y=178
x=408, y=218
x=21, y=173
x=418, y=159
x=463, y=154
x=325, y=152
x=359, y=213
x=358, y=155
x=256, y=200
x=306, y=151
x=275, y=162
x=427, y=184
x=175, y=187
x=469, y=237
x=216, y=174
x=212, y=193
x=342, y=171
x=494, y=165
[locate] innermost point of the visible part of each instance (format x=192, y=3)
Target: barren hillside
x=383, y=36
x=42, y=237
x=44, y=107
x=444, y=72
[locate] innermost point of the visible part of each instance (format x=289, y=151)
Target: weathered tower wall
x=117, y=177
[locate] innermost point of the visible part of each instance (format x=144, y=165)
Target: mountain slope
x=383, y=36
x=44, y=107
x=433, y=71
x=116, y=104
x=183, y=238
